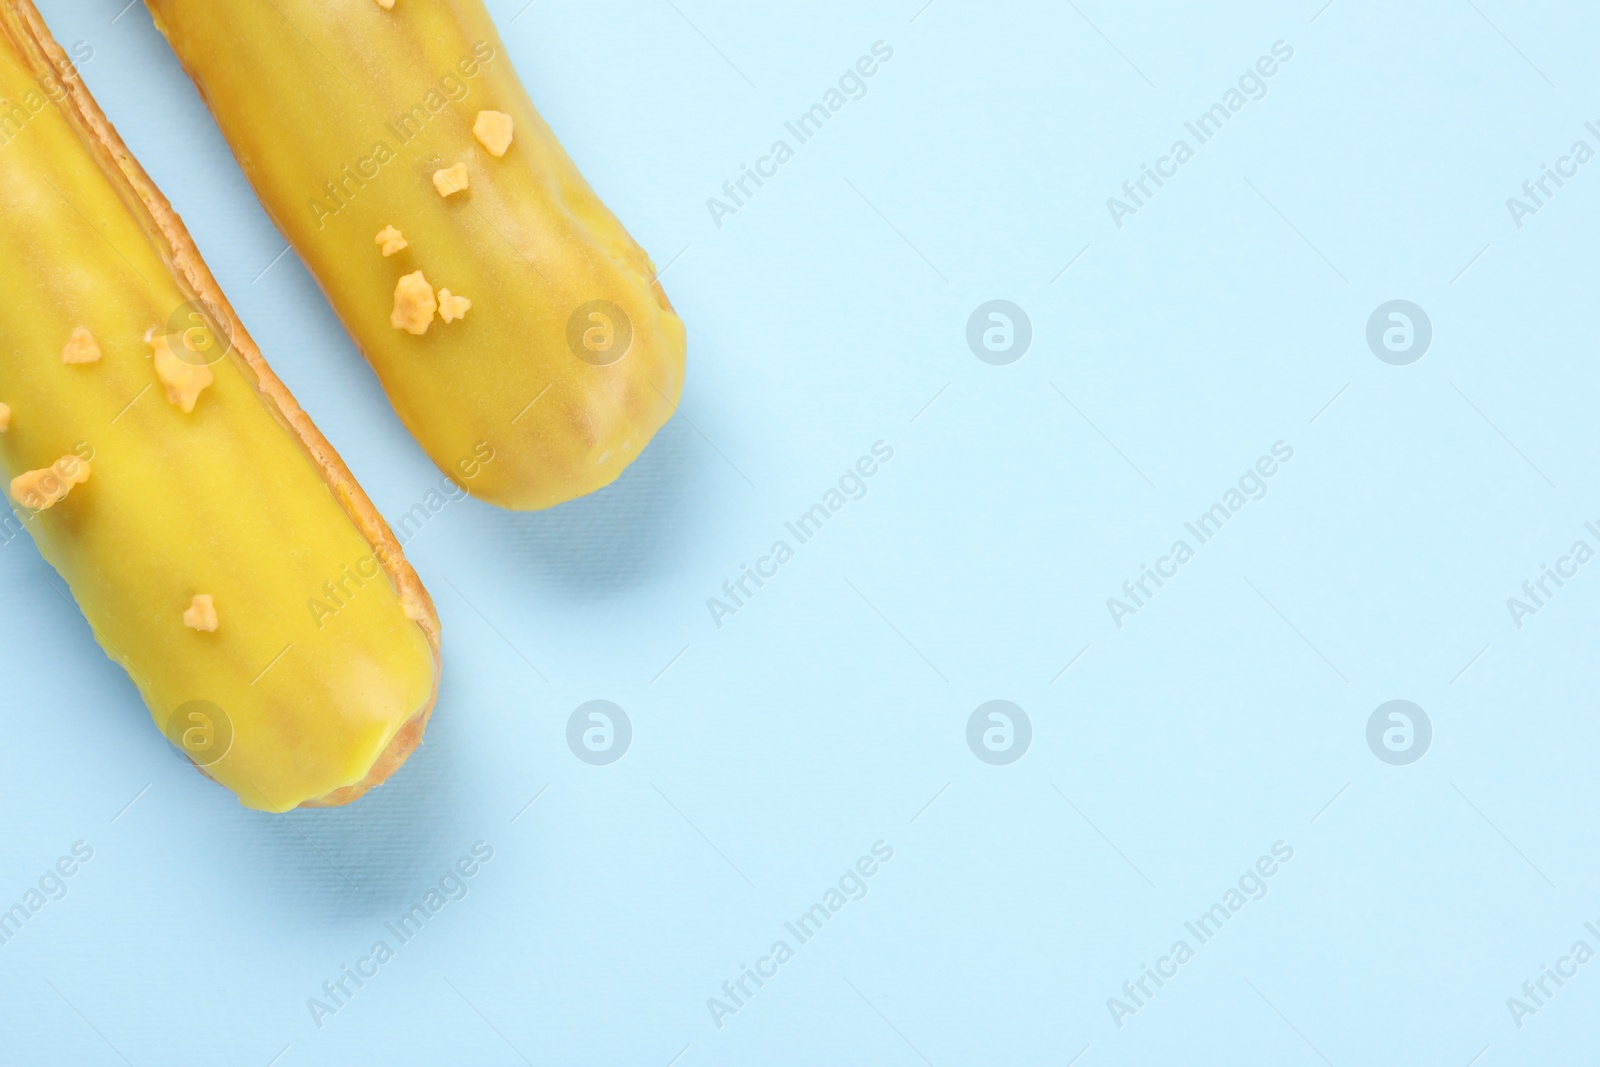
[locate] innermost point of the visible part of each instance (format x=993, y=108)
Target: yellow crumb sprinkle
x=387, y=5
x=202, y=614
x=453, y=307
x=5, y=418
x=184, y=381
x=414, y=304
x=81, y=347
x=391, y=240
x=415, y=610
x=493, y=131
x=43, y=489
x=451, y=180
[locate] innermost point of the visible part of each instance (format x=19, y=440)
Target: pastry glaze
x=149, y=507
x=350, y=117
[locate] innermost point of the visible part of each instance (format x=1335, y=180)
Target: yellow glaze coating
x=341, y=114
x=237, y=504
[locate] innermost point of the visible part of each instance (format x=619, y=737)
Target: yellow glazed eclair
x=220, y=550
x=494, y=295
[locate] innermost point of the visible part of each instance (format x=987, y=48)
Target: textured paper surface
x=1170, y=738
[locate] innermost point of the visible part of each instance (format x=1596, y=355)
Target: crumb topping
x=81, y=347
x=493, y=131
x=414, y=304
x=44, y=489
x=202, y=614
x=451, y=180
x=453, y=307
x=184, y=381
x=391, y=240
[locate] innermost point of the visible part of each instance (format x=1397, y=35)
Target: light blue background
x=769, y=754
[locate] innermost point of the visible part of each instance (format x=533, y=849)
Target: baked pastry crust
x=183, y=257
